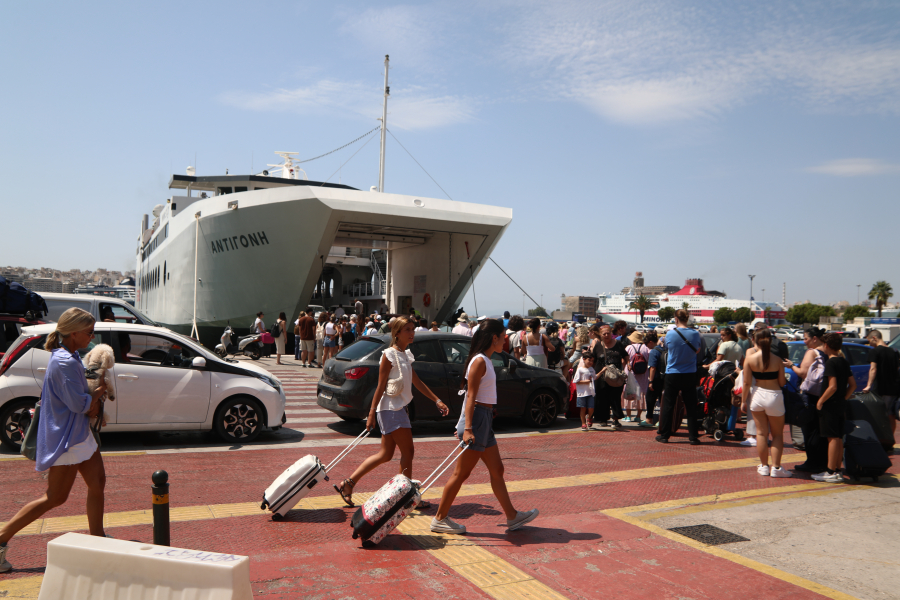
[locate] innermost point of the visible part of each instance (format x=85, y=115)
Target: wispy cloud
x=412, y=108
x=650, y=61
x=855, y=167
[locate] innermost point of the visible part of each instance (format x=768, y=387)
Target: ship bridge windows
x=221, y=191
x=239, y=189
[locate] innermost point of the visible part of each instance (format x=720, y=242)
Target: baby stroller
x=714, y=396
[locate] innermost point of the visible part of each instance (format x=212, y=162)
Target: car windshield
x=192, y=344
x=359, y=349
x=796, y=352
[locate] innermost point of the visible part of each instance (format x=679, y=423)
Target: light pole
x=857, y=293
x=751, y=289
x=764, y=294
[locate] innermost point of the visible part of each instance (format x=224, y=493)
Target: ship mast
x=387, y=92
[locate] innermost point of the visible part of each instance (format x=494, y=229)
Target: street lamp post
x=764, y=294
x=751, y=286
x=857, y=293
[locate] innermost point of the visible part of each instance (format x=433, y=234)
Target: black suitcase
x=863, y=454
x=870, y=407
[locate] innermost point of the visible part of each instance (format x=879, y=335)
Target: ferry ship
x=693, y=296
x=278, y=242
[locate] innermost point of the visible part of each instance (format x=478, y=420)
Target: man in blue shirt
x=506, y=318
x=683, y=344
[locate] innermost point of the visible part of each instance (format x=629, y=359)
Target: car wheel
x=222, y=353
x=14, y=421
x=253, y=352
x=542, y=409
x=239, y=420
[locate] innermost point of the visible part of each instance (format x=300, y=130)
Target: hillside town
x=51, y=280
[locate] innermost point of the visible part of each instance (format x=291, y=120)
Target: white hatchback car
x=163, y=381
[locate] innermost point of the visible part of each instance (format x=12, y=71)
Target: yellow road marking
x=23, y=587
x=641, y=515
x=134, y=453
x=495, y=576
x=222, y=511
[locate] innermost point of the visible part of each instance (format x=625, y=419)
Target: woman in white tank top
x=391, y=411
x=537, y=345
x=474, y=428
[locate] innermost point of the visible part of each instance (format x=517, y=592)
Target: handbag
x=29, y=443
x=395, y=386
x=613, y=376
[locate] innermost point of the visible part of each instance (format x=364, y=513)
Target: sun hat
x=482, y=318
x=636, y=337
x=463, y=318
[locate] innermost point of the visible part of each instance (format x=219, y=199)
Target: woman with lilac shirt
x=65, y=444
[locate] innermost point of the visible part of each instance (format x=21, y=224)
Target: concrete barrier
x=83, y=566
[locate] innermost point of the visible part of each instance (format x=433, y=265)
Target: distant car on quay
x=348, y=381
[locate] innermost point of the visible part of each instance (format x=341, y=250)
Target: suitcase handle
x=347, y=450
x=435, y=475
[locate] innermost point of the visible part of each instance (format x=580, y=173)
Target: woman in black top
x=608, y=352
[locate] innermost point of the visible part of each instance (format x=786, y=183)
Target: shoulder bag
x=613, y=376
x=29, y=442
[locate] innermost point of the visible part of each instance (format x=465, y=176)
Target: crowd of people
x=618, y=374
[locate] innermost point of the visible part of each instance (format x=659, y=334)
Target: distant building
x=43, y=284
x=586, y=305
x=639, y=289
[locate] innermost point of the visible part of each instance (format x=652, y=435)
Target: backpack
x=661, y=363
x=815, y=377
x=638, y=362
x=276, y=330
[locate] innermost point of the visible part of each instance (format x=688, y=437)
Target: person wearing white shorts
x=763, y=377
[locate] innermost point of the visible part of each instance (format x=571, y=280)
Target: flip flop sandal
x=340, y=490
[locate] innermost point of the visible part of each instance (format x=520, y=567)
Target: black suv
x=349, y=380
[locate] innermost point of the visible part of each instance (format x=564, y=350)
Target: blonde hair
x=71, y=321
x=397, y=325
x=582, y=337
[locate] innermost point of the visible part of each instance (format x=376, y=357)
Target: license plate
x=327, y=394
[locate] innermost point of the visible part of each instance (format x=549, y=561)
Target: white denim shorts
x=770, y=401
x=78, y=453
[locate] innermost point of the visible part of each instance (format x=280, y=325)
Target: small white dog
x=98, y=362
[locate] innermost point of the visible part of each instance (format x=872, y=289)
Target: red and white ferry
x=701, y=304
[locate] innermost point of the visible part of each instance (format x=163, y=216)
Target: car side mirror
x=199, y=362
x=513, y=365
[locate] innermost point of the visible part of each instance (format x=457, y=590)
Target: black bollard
x=160, y=489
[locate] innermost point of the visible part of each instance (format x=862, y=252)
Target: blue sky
x=683, y=140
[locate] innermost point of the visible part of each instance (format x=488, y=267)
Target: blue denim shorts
x=390, y=421
x=584, y=402
x=330, y=343
x=482, y=429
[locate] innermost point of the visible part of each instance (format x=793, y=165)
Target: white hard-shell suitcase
x=292, y=486
x=393, y=502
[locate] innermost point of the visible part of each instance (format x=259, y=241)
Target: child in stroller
x=714, y=395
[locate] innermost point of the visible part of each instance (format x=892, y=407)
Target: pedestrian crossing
x=303, y=412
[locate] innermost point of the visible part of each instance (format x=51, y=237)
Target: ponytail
x=764, y=343
x=52, y=342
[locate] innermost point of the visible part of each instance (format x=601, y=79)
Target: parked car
x=785, y=334
x=703, y=328
x=98, y=306
x=348, y=381
x=661, y=329
x=163, y=381
x=856, y=354
x=10, y=329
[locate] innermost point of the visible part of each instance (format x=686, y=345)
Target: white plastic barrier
x=83, y=566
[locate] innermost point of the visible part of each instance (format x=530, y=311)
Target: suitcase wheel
x=277, y=517
x=355, y=535
x=718, y=435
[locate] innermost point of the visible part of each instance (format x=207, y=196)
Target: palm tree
x=881, y=292
x=686, y=306
x=642, y=304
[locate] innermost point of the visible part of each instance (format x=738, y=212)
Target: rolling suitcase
x=870, y=407
x=302, y=476
x=863, y=454
x=387, y=507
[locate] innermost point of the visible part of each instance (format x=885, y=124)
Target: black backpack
x=276, y=330
x=661, y=363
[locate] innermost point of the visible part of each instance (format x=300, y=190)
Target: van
x=99, y=306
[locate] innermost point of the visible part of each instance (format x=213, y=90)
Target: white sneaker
x=521, y=519
x=780, y=472
x=447, y=526
x=827, y=477
x=763, y=470
x=4, y=565
x=750, y=441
